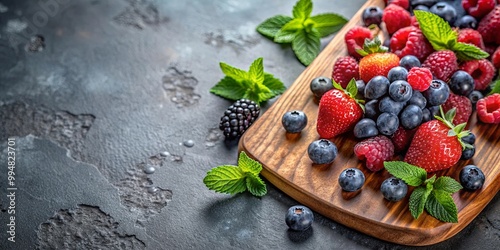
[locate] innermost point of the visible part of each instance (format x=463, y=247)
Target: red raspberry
x=419, y=78
x=355, y=38
x=395, y=17
x=482, y=71
x=478, y=8
x=490, y=48
x=442, y=63
x=471, y=36
x=403, y=3
x=495, y=58
x=488, y=109
x=402, y=139
x=410, y=41
x=375, y=151
x=463, y=106
x=489, y=26
x=414, y=22
x=344, y=69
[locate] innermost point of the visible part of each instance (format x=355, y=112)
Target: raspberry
x=471, y=36
x=402, y=139
x=495, y=58
x=403, y=3
x=395, y=17
x=463, y=106
x=482, y=71
x=488, y=109
x=490, y=48
x=442, y=64
x=375, y=151
x=238, y=117
x=414, y=22
x=490, y=25
x=355, y=38
x=344, y=69
x=410, y=41
x=419, y=78
x=478, y=8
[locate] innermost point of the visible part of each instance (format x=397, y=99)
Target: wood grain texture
x=287, y=166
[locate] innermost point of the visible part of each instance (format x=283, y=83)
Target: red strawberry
x=442, y=63
x=375, y=151
x=338, y=111
x=463, y=106
x=345, y=69
x=490, y=25
x=432, y=148
x=376, y=60
x=355, y=38
x=395, y=17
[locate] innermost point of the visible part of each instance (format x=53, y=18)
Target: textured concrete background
x=97, y=93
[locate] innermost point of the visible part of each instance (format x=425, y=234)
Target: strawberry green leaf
x=441, y=206
x=226, y=179
x=229, y=88
x=255, y=185
x=466, y=52
x=447, y=184
x=272, y=25
x=352, y=88
x=235, y=73
x=418, y=198
x=302, y=9
x=412, y=175
x=337, y=85
x=248, y=165
x=328, y=23
x=256, y=71
x=436, y=30
x=306, y=46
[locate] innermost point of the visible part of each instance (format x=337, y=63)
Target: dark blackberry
x=238, y=117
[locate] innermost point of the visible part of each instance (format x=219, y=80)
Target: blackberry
x=238, y=117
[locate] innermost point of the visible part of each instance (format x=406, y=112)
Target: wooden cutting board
x=288, y=167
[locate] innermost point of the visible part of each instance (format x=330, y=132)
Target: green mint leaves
x=237, y=179
x=302, y=30
x=432, y=194
x=254, y=84
x=443, y=37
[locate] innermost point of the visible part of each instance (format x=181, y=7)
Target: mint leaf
x=302, y=9
x=441, y=206
x=229, y=88
x=328, y=23
x=226, y=179
x=248, y=165
x=274, y=84
x=436, y=30
x=466, y=52
x=258, y=92
x=255, y=185
x=285, y=36
x=256, y=71
x=272, y=25
x=412, y=175
x=233, y=72
x=447, y=184
x=306, y=46
x=418, y=198
x=495, y=87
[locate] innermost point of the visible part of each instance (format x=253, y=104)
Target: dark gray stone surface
x=96, y=93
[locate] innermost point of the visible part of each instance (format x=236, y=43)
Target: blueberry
x=322, y=151
x=299, y=218
x=421, y=7
x=360, y=84
x=418, y=99
x=427, y=3
x=468, y=153
x=394, y=189
x=294, y=121
x=372, y=15
x=366, y=127
x=445, y=11
x=409, y=62
x=461, y=83
x=475, y=96
x=351, y=179
x=437, y=93
x=387, y=123
x=376, y=87
x=320, y=85
x=411, y=117
x=466, y=22
x=400, y=91
x=434, y=111
x=470, y=139
x=388, y=105
x=397, y=73
x=426, y=115
x=371, y=109
x=471, y=177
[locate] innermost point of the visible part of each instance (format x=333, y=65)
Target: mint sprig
x=432, y=194
x=442, y=37
x=302, y=30
x=231, y=179
x=254, y=84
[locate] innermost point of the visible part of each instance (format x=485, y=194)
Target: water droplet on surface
x=165, y=153
x=188, y=143
x=152, y=190
x=149, y=169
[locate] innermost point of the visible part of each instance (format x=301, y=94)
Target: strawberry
x=437, y=144
x=338, y=111
x=376, y=60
